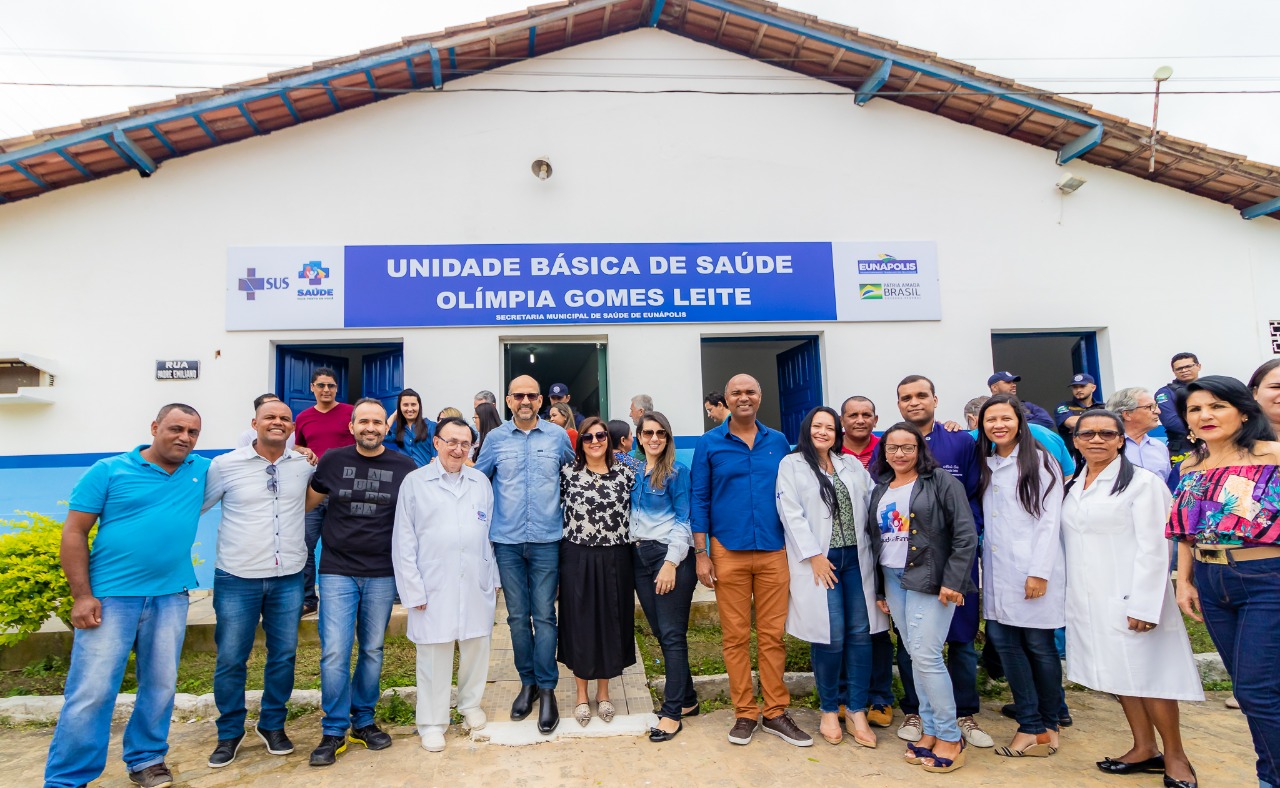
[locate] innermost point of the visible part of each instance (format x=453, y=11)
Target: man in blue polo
x=522, y=458
x=1067, y=413
x=130, y=594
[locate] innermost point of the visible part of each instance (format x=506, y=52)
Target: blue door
x=799, y=385
x=293, y=376
x=1084, y=358
x=382, y=377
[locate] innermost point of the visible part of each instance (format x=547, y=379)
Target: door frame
x=601, y=341
x=277, y=346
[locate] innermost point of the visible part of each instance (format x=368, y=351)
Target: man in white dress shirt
x=258, y=575
x=447, y=579
x=1137, y=408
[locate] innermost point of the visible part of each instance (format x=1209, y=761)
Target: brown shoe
x=880, y=716
x=743, y=729
x=156, y=775
x=786, y=729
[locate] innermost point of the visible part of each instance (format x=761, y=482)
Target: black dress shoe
x=697, y=709
x=523, y=704
x=1065, y=721
x=659, y=735
x=225, y=752
x=1149, y=766
x=1009, y=710
x=548, y=714
x=1169, y=782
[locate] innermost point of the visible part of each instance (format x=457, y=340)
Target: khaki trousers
x=741, y=576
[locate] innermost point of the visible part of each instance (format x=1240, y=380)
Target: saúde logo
x=315, y=274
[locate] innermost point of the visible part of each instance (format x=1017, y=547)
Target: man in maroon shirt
x=326, y=425
x=858, y=418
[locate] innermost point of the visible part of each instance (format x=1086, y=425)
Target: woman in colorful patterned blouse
x=597, y=587
x=1226, y=519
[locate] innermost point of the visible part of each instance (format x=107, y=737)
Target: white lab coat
x=442, y=556
x=1016, y=546
x=806, y=526
x=1118, y=567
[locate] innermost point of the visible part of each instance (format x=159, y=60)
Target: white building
x=817, y=143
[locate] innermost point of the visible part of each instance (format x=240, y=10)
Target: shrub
x=32, y=586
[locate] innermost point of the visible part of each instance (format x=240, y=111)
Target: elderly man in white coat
x=447, y=579
x=822, y=499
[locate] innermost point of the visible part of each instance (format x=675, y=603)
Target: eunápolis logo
x=888, y=264
x=892, y=291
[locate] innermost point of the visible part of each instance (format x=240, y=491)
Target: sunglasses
x=272, y=486
x=595, y=437
x=521, y=396
x=653, y=433
x=325, y=385
x=1106, y=435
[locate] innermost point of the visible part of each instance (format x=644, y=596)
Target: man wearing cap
x=1068, y=411
x=1007, y=383
x=559, y=392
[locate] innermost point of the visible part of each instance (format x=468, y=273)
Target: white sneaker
x=976, y=736
x=912, y=728
x=473, y=719
x=432, y=741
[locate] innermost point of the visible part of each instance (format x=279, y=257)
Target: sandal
x=1041, y=749
x=943, y=765
x=582, y=713
x=605, y=710
x=915, y=754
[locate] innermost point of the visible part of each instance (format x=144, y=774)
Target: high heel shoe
x=1040, y=749
x=943, y=765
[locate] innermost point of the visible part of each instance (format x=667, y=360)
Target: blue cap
x=559, y=390
x=1080, y=379
x=1004, y=377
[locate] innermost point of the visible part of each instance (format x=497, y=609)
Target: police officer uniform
x=1074, y=407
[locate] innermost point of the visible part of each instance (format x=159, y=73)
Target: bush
x=32, y=586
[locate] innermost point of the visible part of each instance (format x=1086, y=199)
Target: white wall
x=107, y=277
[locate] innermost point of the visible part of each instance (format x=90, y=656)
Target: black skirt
x=597, y=610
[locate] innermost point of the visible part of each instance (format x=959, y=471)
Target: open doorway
x=1047, y=361
x=789, y=369
x=363, y=370
x=582, y=366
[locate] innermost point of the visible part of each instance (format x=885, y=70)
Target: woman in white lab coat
x=1023, y=570
x=1124, y=631
x=447, y=579
x=822, y=500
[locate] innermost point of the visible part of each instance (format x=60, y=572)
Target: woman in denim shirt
x=664, y=566
x=409, y=431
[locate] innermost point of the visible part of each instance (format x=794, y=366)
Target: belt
x=1219, y=555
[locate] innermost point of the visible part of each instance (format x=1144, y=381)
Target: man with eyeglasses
x=522, y=457
x=1186, y=368
x=257, y=575
x=715, y=407
x=357, y=578
x=1140, y=414
x=324, y=426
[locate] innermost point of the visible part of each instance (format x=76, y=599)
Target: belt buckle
x=1213, y=556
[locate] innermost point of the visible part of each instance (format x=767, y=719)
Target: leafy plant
x=32, y=586
x=396, y=710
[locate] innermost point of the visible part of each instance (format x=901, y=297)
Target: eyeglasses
x=1153, y=407
x=272, y=486
x=1186, y=368
x=653, y=433
x=454, y=443
x=595, y=437
x=521, y=396
x=325, y=385
x=1106, y=435
x=905, y=450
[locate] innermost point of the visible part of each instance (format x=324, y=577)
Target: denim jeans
x=154, y=627
x=962, y=666
x=315, y=518
x=923, y=622
x=848, y=654
x=239, y=604
x=1034, y=673
x=352, y=608
x=668, y=616
x=1241, y=605
x=880, y=693
x=530, y=574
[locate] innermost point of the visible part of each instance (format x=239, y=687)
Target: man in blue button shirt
x=741, y=554
x=130, y=594
x=522, y=458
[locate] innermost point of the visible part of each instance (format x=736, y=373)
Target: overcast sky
x=1088, y=46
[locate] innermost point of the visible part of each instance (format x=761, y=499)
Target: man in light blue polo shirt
x=522, y=457
x=131, y=590
x=1137, y=408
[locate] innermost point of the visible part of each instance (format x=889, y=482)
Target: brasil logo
x=871, y=292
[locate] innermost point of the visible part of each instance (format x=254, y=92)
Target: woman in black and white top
x=597, y=594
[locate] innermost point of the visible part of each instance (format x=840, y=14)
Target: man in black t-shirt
x=357, y=581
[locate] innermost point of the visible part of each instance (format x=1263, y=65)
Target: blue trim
x=1080, y=145
x=1261, y=209
x=333, y=99
x=29, y=175
x=253, y=124
x=413, y=72
x=437, y=79
x=533, y=36
x=69, y=159
x=205, y=128
x=76, y=460
x=874, y=81
x=155, y=132
x=453, y=59
x=368, y=76
x=288, y=104
x=131, y=153
x=657, y=12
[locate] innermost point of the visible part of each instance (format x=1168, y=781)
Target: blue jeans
x=530, y=574
x=154, y=627
x=962, y=666
x=848, y=654
x=668, y=616
x=1034, y=673
x=1241, y=605
x=881, y=689
x=923, y=622
x=315, y=518
x=352, y=608
x=239, y=604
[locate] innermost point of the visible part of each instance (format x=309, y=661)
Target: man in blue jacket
x=1186, y=368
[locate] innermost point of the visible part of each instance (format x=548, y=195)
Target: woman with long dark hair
x=597, y=587
x=486, y=419
x=1227, y=523
x=1124, y=633
x=924, y=539
x=822, y=501
x=561, y=415
x=410, y=432
x=664, y=566
x=1023, y=569
x=1265, y=385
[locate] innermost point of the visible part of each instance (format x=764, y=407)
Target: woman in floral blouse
x=597, y=594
